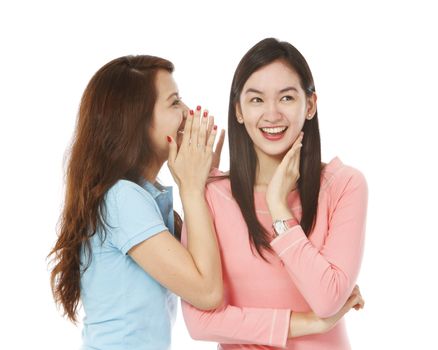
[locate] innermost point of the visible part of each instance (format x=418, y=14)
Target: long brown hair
x=110, y=143
x=243, y=159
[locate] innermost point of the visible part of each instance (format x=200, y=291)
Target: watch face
x=280, y=227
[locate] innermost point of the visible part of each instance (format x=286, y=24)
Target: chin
x=275, y=153
x=276, y=149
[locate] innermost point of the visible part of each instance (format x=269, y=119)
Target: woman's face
x=273, y=107
x=169, y=116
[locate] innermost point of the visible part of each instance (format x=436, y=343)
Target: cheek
x=249, y=111
x=168, y=122
x=295, y=115
x=251, y=116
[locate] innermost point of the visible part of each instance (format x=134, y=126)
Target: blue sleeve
x=134, y=214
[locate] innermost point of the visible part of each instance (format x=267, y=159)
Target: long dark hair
x=243, y=159
x=111, y=142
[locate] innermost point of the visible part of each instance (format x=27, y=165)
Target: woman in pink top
x=290, y=228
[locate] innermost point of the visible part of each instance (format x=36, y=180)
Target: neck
x=151, y=172
x=266, y=167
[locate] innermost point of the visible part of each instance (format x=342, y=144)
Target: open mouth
x=181, y=128
x=273, y=133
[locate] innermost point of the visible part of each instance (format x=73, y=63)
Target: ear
x=311, y=106
x=239, y=115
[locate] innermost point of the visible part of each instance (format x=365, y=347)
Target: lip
x=275, y=137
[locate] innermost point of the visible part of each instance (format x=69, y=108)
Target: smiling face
x=168, y=117
x=273, y=107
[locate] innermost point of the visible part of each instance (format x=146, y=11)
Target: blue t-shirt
x=125, y=308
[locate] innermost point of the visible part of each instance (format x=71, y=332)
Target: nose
x=272, y=113
x=184, y=107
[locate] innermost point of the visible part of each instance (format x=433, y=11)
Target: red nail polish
x=215, y=127
x=198, y=108
x=191, y=112
x=205, y=114
x=169, y=139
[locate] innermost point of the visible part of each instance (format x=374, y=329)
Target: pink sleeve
x=236, y=325
x=326, y=277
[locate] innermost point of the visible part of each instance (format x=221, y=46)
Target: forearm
x=280, y=212
x=333, y=268
x=238, y=325
x=326, y=274
x=202, y=242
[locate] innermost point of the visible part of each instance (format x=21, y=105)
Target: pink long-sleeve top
x=316, y=273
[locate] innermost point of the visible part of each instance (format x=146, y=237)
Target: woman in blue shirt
x=118, y=250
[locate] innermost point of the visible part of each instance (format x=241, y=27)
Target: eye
x=256, y=100
x=176, y=102
x=287, y=98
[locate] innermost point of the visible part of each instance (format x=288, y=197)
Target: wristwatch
x=281, y=226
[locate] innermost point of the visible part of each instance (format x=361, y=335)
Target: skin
x=273, y=97
x=193, y=273
x=170, y=114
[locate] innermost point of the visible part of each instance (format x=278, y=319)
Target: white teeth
x=274, y=130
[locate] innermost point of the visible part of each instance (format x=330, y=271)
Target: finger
x=296, y=146
x=188, y=128
x=296, y=162
x=203, y=129
x=351, y=302
x=211, y=138
x=172, y=151
x=220, y=143
x=288, y=160
x=195, y=128
x=360, y=304
x=356, y=291
x=210, y=126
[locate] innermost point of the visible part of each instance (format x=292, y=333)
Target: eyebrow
x=289, y=88
x=173, y=94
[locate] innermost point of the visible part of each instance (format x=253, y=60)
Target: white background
x=375, y=69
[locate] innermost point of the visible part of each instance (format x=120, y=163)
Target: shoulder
x=127, y=196
x=124, y=190
x=218, y=184
x=338, y=178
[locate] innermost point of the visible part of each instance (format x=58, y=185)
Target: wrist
x=190, y=192
x=280, y=212
x=303, y=323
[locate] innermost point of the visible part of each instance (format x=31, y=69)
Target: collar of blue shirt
x=155, y=189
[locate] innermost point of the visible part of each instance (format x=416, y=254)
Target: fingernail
x=169, y=139
x=198, y=108
x=191, y=112
x=215, y=127
x=205, y=114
